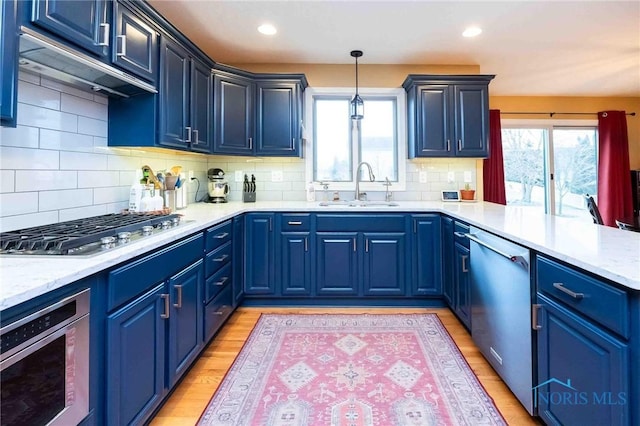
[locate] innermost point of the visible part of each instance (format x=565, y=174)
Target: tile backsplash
x=56, y=165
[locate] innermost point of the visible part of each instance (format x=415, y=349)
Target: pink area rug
x=350, y=370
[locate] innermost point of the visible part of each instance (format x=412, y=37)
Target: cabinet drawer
x=295, y=222
x=138, y=276
x=216, y=313
x=217, y=258
x=601, y=302
x=361, y=222
x=218, y=235
x=217, y=282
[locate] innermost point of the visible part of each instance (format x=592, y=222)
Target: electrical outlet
x=422, y=177
x=451, y=177
x=238, y=177
x=276, y=176
x=467, y=176
x=190, y=174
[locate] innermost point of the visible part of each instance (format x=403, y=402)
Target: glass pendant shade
x=357, y=108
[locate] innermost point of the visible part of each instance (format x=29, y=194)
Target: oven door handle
x=512, y=257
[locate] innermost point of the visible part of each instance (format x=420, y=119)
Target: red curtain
x=493, y=168
x=614, y=182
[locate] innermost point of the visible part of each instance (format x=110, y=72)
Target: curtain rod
x=551, y=114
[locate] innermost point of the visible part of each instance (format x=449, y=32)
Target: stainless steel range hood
x=41, y=55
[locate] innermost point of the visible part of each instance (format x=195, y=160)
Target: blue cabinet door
x=135, y=359
x=462, y=284
x=237, y=260
x=174, y=95
x=201, y=107
x=259, y=254
x=82, y=22
x=384, y=264
x=337, y=264
x=471, y=120
x=233, y=112
x=277, y=119
x=185, y=319
x=134, y=46
x=427, y=256
x=448, y=252
x=583, y=371
x=295, y=263
x=8, y=64
x=433, y=133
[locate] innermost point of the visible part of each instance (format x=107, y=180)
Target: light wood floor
x=192, y=395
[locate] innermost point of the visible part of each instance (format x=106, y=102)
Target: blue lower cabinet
x=337, y=264
x=583, y=371
x=462, y=284
x=259, y=245
x=217, y=311
x=447, y=261
x=237, y=260
x=135, y=359
x=185, y=319
x=427, y=255
x=384, y=264
x=295, y=264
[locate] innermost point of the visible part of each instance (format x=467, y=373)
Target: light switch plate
x=238, y=176
x=451, y=177
x=422, y=177
x=467, y=176
x=276, y=176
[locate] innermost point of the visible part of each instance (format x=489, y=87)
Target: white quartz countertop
x=608, y=252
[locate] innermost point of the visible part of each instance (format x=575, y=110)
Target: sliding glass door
x=550, y=167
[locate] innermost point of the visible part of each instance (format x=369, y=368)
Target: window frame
x=400, y=138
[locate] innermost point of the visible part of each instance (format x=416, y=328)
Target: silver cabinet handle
x=105, y=34
x=562, y=288
x=448, y=145
x=221, y=311
x=165, y=315
x=250, y=143
x=306, y=244
x=459, y=145
x=221, y=236
x=354, y=244
x=270, y=225
x=459, y=234
x=195, y=136
x=178, y=303
x=221, y=258
x=293, y=142
x=221, y=282
x=415, y=226
x=464, y=263
x=188, y=129
x=534, y=317
x=512, y=257
x=122, y=51
x=366, y=245
x=294, y=223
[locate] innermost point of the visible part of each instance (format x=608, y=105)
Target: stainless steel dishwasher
x=501, y=310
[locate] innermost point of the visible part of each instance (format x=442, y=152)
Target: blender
x=218, y=187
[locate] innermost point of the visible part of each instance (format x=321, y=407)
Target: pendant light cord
x=356, y=75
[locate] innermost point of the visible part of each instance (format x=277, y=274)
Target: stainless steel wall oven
x=44, y=365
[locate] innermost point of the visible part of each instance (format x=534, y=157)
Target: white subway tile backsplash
x=101, y=99
x=82, y=212
x=62, y=87
x=18, y=203
x=10, y=223
x=98, y=179
x=112, y=194
x=29, y=77
x=117, y=207
x=28, y=158
x=65, y=141
x=91, y=126
x=82, y=161
x=57, y=200
x=83, y=107
x=7, y=180
x=34, y=94
x=22, y=136
x=45, y=180
x=30, y=115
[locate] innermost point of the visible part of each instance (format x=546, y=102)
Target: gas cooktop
x=88, y=236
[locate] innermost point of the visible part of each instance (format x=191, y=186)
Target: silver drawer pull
x=221, y=282
x=165, y=315
x=105, y=34
x=562, y=288
x=123, y=45
x=294, y=222
x=221, y=258
x=534, y=317
x=221, y=311
x=221, y=236
x=178, y=303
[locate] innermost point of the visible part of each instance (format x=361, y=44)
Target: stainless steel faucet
x=371, y=178
x=387, y=193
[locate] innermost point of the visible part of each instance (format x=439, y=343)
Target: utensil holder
x=249, y=197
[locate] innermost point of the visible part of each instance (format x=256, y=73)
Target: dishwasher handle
x=512, y=257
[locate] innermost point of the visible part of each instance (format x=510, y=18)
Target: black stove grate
x=59, y=238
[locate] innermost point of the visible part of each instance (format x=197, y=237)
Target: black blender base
x=216, y=200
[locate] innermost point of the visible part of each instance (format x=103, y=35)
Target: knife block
x=249, y=197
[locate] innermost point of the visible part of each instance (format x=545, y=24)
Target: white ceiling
x=540, y=48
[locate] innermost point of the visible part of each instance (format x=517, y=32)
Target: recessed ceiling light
x=267, y=29
x=471, y=32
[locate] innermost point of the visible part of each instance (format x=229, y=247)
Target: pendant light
x=357, y=105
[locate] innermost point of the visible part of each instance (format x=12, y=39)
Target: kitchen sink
x=357, y=203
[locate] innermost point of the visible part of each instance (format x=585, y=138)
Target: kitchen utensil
x=249, y=189
x=170, y=182
x=218, y=188
x=175, y=170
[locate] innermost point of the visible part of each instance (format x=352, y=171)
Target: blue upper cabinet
x=278, y=118
x=233, y=112
x=174, y=95
x=85, y=23
x=8, y=59
x=448, y=115
x=134, y=45
x=201, y=107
